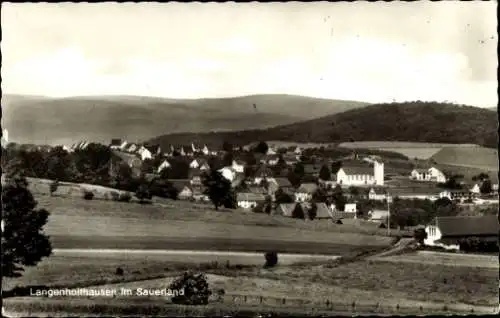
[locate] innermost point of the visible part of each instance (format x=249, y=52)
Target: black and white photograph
x=281, y=159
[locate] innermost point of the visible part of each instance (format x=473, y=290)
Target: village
x=306, y=183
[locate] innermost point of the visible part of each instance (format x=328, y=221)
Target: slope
x=411, y=121
x=34, y=119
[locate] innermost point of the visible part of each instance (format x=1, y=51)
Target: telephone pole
x=388, y=199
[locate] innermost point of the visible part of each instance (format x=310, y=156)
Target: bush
x=190, y=289
x=143, y=193
x=53, y=187
x=119, y=271
x=124, y=197
x=88, y=195
x=271, y=259
x=115, y=196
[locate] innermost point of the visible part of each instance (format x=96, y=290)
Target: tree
x=298, y=212
x=319, y=195
x=299, y=169
x=164, y=189
x=420, y=235
x=338, y=198
x=281, y=196
x=324, y=173
x=53, y=187
x=354, y=191
x=486, y=187
x=227, y=160
x=190, y=289
x=143, y=193
x=218, y=188
x=23, y=240
x=226, y=146
x=271, y=259
x=313, y=211
x=336, y=165
x=294, y=178
x=261, y=147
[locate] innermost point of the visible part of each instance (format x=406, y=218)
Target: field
x=448, y=259
x=418, y=150
x=475, y=157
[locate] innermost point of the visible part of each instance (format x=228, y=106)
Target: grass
x=479, y=157
x=395, y=281
x=447, y=259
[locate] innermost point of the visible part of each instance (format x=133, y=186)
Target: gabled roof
x=116, y=142
x=152, y=148
x=379, y=191
x=323, y=211
x=179, y=184
x=467, y=225
x=286, y=209
x=258, y=190
x=357, y=170
x=248, y=196
x=282, y=182
x=307, y=188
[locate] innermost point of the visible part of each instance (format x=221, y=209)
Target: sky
x=373, y=52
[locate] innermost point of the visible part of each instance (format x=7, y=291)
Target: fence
x=325, y=305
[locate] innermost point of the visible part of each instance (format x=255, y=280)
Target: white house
x=350, y=207
x=270, y=151
x=298, y=151
x=229, y=173
x=238, y=166
x=378, y=215
x=361, y=175
x=305, y=192
x=205, y=150
x=182, y=152
x=164, y=165
x=377, y=194
x=5, y=137
x=144, y=153
x=430, y=175
x=475, y=189
x=448, y=231
x=249, y=200
x=195, y=164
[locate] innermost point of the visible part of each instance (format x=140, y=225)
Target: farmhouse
x=238, y=166
x=164, y=165
x=447, y=232
x=144, y=153
x=278, y=183
x=263, y=172
x=186, y=193
x=377, y=194
x=378, y=215
x=430, y=175
x=361, y=174
x=199, y=163
x=458, y=195
x=350, y=208
x=228, y=172
x=305, y=192
x=248, y=200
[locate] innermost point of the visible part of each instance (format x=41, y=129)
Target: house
x=132, y=148
x=271, y=160
x=195, y=176
x=164, y=165
x=257, y=190
x=194, y=149
x=429, y=175
x=378, y=215
x=361, y=174
x=476, y=189
x=228, y=172
x=238, y=166
x=199, y=195
x=290, y=159
x=322, y=211
x=238, y=180
x=458, y=195
x=298, y=151
x=180, y=185
x=115, y=144
x=271, y=151
x=263, y=172
x=205, y=150
x=305, y=192
x=377, y=194
x=278, y=183
x=248, y=200
x=427, y=193
x=350, y=208
x=199, y=163
x=144, y=153
x=447, y=232
x=312, y=169
x=288, y=209
x=186, y=193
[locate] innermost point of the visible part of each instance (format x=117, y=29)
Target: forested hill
x=410, y=121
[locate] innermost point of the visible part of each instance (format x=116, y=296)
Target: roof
x=312, y=168
x=152, y=148
x=467, y=225
x=338, y=215
x=357, y=170
x=248, y=196
x=307, y=188
x=238, y=179
x=116, y=142
x=420, y=170
x=286, y=209
x=379, y=190
x=394, y=192
x=323, y=211
x=179, y=184
x=263, y=171
x=282, y=182
x=258, y=190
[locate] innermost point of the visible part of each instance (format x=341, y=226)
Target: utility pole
x=388, y=199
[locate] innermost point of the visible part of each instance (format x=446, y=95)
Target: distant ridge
x=428, y=122
x=46, y=120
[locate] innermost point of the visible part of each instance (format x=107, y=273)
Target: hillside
x=43, y=120
x=412, y=122
x=479, y=157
